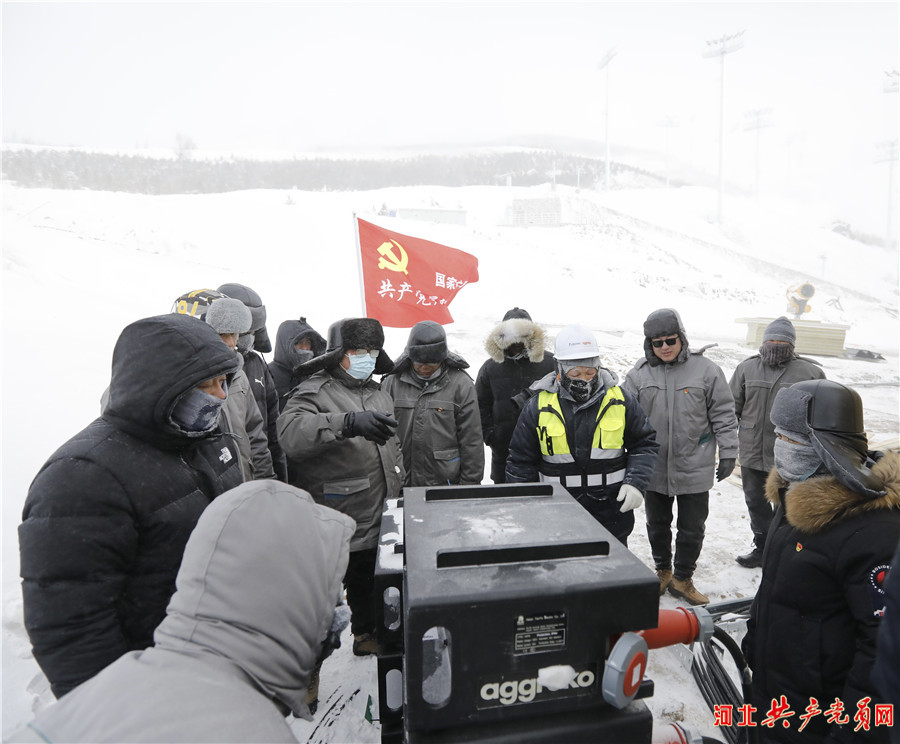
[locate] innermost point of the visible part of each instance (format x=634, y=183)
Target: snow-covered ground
x=78, y=266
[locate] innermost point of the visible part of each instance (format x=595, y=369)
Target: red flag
x=407, y=279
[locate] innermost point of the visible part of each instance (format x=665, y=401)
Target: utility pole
x=888, y=154
x=604, y=63
x=891, y=85
x=757, y=119
x=719, y=48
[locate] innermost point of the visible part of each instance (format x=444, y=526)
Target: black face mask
x=580, y=390
x=515, y=351
x=776, y=354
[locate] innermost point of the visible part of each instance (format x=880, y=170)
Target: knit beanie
x=780, y=329
x=228, y=315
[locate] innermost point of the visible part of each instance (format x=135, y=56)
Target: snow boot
x=365, y=645
x=685, y=589
x=753, y=559
x=665, y=578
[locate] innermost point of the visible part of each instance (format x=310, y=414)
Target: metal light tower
x=719, y=48
x=604, y=63
x=889, y=150
x=757, y=119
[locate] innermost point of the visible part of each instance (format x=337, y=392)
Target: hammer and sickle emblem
x=390, y=260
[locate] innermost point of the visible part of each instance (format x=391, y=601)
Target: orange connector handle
x=675, y=626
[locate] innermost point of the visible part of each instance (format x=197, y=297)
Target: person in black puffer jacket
x=107, y=517
x=518, y=358
x=811, y=636
x=295, y=343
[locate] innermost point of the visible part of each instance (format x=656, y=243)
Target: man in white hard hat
x=582, y=430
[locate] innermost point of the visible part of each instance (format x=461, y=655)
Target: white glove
x=630, y=497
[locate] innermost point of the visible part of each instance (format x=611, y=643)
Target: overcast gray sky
x=302, y=76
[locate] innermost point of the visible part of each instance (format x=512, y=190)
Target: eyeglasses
x=363, y=352
x=667, y=341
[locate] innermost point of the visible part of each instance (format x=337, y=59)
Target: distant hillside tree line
x=79, y=169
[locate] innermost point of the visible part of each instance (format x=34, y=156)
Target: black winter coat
x=286, y=357
x=814, y=621
x=266, y=394
x=500, y=379
x=107, y=517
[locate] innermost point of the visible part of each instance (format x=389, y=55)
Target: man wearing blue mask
x=338, y=432
x=108, y=515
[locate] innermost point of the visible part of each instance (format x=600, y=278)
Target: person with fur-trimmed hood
x=691, y=408
x=253, y=615
x=339, y=434
x=811, y=637
x=754, y=385
x=295, y=343
x=108, y=515
x=435, y=404
x=583, y=431
x=517, y=359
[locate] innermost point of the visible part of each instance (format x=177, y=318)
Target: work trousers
x=693, y=509
x=761, y=512
x=359, y=581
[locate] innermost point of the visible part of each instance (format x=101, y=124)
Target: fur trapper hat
x=228, y=315
x=351, y=333
x=427, y=342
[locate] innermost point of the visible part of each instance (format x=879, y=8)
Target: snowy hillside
x=79, y=265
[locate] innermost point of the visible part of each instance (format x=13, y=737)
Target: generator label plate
x=544, y=632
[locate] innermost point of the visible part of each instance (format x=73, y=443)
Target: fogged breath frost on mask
x=197, y=411
x=796, y=462
x=776, y=354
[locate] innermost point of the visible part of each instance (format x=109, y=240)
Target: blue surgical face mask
x=361, y=366
x=796, y=462
x=197, y=411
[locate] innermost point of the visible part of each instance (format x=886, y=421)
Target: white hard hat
x=575, y=342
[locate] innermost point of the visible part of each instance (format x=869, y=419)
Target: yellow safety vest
x=608, y=443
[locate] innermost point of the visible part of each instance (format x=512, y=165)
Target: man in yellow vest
x=582, y=430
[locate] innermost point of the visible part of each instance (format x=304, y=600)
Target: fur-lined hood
x=513, y=331
x=821, y=501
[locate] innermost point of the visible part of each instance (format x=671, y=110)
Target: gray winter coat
x=691, y=408
x=256, y=596
x=440, y=425
x=352, y=475
x=244, y=420
x=754, y=385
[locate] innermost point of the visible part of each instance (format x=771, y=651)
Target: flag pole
x=362, y=283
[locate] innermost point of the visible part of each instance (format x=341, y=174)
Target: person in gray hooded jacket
x=435, y=404
x=339, y=435
x=691, y=408
x=253, y=612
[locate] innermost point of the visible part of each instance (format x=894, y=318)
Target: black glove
x=373, y=425
x=726, y=468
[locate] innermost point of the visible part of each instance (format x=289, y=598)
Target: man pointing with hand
x=338, y=432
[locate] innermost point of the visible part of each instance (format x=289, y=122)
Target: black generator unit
x=498, y=608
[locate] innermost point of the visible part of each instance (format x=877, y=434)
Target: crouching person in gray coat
x=254, y=606
x=339, y=435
